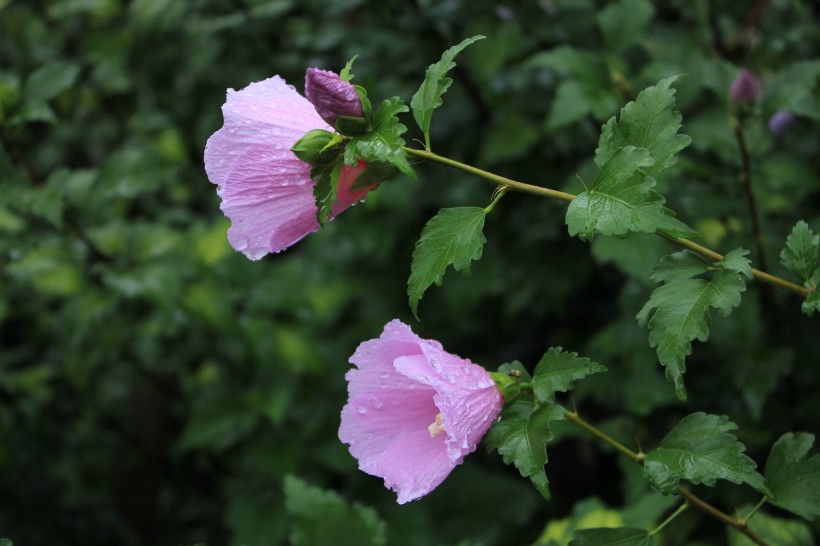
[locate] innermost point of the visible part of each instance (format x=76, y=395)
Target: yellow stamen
x=436, y=427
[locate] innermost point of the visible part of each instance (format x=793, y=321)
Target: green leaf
x=452, y=237
x=624, y=536
x=345, y=74
x=802, y=253
x=435, y=84
x=521, y=437
x=50, y=80
x=774, y=531
x=6, y=542
x=622, y=199
x=326, y=175
x=383, y=143
x=811, y=304
x=557, y=370
x=737, y=262
x=623, y=23
x=793, y=478
x=323, y=517
x=679, y=311
x=699, y=449
x=650, y=122
x=642, y=143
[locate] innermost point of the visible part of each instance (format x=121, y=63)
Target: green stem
x=500, y=180
x=681, y=509
x=514, y=185
x=739, y=525
x=691, y=499
x=754, y=510
x=498, y=195
x=575, y=418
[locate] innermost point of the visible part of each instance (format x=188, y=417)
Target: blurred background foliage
x=157, y=387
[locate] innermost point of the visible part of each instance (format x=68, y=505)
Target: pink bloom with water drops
x=266, y=190
x=414, y=411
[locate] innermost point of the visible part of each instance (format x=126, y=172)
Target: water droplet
x=377, y=402
x=362, y=409
x=384, y=375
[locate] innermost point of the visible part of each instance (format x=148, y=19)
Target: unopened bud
x=331, y=96
x=746, y=88
x=309, y=148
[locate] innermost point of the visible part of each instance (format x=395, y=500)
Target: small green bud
x=312, y=148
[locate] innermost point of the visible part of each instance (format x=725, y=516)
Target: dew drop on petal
x=377, y=402
x=362, y=409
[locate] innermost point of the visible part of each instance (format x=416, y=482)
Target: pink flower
x=332, y=96
x=266, y=190
x=414, y=411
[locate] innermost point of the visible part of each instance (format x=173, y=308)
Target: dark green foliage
x=623, y=536
x=679, y=311
x=521, y=437
x=322, y=517
x=156, y=387
x=699, y=449
x=793, y=477
x=452, y=237
x=558, y=370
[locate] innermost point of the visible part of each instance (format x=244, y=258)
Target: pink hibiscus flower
x=414, y=411
x=266, y=190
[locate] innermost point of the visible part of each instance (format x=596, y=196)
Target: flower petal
x=372, y=422
x=266, y=190
x=415, y=464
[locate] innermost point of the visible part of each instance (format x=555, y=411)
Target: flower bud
x=780, y=122
x=309, y=148
x=331, y=96
x=746, y=88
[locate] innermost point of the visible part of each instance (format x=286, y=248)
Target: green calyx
x=317, y=146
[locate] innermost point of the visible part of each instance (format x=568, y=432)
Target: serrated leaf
x=452, y=237
x=650, y=122
x=346, y=74
x=699, y=449
x=622, y=200
x=679, y=265
x=557, y=370
x=811, y=304
x=383, y=143
x=322, y=517
x=801, y=255
x=326, y=175
x=737, y=262
x=679, y=312
x=624, y=536
x=793, y=478
x=435, y=84
x=521, y=437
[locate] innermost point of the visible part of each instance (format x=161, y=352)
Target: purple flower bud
x=746, y=87
x=331, y=96
x=780, y=122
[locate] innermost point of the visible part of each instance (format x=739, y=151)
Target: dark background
x=156, y=386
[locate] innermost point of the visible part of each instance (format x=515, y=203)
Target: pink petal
x=400, y=386
x=372, y=422
x=415, y=464
x=466, y=396
x=266, y=190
